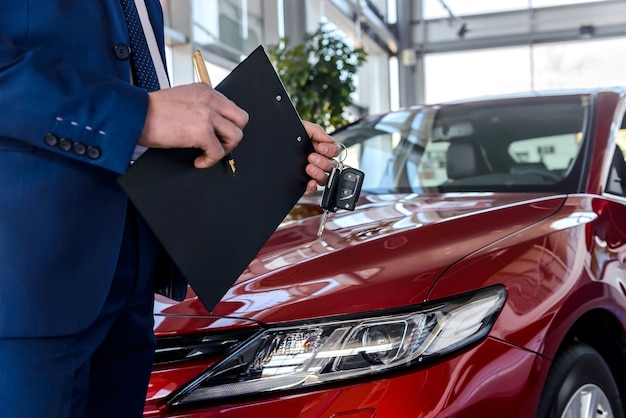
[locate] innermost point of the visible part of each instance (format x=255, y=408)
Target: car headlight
x=303, y=355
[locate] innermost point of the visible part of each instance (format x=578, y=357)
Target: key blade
x=322, y=224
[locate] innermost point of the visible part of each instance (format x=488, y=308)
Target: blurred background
x=418, y=51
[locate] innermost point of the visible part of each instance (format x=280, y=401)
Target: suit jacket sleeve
x=91, y=104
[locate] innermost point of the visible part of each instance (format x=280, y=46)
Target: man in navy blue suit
x=76, y=263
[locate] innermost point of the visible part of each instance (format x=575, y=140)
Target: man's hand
x=197, y=116
x=320, y=163
x=193, y=116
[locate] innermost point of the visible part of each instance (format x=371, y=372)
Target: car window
x=374, y=156
x=375, y=146
x=529, y=144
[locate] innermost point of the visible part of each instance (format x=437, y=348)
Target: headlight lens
x=303, y=355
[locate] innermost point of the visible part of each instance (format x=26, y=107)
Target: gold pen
x=200, y=68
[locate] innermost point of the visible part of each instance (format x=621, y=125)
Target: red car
x=482, y=274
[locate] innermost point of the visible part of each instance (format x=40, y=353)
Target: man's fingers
x=322, y=142
x=221, y=139
x=213, y=152
x=321, y=161
x=226, y=108
x=224, y=128
x=317, y=173
x=227, y=133
x=311, y=187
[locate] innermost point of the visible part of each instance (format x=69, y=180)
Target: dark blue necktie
x=144, y=74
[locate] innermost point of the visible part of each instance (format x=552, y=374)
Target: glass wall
x=457, y=75
x=227, y=30
x=434, y=9
x=582, y=64
x=585, y=63
x=230, y=28
x=592, y=63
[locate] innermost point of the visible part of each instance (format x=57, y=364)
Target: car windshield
x=516, y=145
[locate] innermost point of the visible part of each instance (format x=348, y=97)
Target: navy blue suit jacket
x=70, y=121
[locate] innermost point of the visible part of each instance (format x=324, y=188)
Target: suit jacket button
x=51, y=139
x=94, y=153
x=79, y=148
x=122, y=51
x=65, y=144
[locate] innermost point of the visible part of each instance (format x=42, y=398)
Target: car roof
x=619, y=90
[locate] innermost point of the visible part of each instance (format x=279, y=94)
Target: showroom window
x=566, y=65
x=231, y=29
x=434, y=9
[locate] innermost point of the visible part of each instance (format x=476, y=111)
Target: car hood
x=387, y=253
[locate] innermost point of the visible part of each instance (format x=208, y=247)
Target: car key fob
x=341, y=192
x=348, y=188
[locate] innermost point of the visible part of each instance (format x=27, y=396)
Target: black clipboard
x=210, y=223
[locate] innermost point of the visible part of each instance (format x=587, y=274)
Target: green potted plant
x=319, y=75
